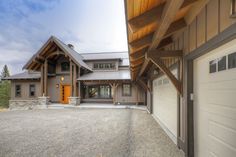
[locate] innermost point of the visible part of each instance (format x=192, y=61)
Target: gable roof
x=25, y=75
x=75, y=56
x=106, y=75
x=105, y=55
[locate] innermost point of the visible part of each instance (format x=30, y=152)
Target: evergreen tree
x=5, y=72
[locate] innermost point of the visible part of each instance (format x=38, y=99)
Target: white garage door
x=165, y=105
x=215, y=103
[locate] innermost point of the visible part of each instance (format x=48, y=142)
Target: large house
x=60, y=74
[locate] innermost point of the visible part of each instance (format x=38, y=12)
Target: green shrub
x=5, y=91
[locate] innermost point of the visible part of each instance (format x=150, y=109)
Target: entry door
x=65, y=93
x=215, y=103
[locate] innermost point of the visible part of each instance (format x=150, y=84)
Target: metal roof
x=75, y=56
x=106, y=75
x=105, y=55
x=24, y=75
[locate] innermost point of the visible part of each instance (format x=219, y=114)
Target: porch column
x=71, y=78
x=45, y=77
x=79, y=83
x=74, y=81
x=113, y=91
x=42, y=80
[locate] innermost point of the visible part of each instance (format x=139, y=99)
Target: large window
x=32, y=90
x=232, y=60
x=65, y=66
x=104, y=66
x=126, y=89
x=18, y=90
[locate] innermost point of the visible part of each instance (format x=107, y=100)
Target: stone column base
x=43, y=102
x=74, y=101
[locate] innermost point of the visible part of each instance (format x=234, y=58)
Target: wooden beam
x=141, y=43
x=71, y=78
x=151, y=16
x=165, y=53
x=165, y=42
x=158, y=62
x=145, y=65
x=143, y=85
x=139, y=53
x=137, y=60
x=74, y=80
x=168, y=15
x=42, y=80
x=45, y=77
x=175, y=27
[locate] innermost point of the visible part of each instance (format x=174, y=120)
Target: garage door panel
x=222, y=111
x=219, y=148
x=223, y=97
x=165, y=104
x=215, y=106
x=218, y=131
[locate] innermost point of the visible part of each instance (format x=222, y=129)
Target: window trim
x=18, y=96
x=233, y=9
x=123, y=94
x=228, y=58
x=68, y=66
x=34, y=90
x=104, y=66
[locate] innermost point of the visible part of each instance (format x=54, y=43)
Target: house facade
x=185, y=53
x=60, y=74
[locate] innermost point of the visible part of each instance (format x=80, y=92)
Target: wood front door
x=65, y=93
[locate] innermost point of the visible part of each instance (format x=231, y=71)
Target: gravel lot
x=83, y=133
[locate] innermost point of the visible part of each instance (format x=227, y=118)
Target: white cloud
x=91, y=25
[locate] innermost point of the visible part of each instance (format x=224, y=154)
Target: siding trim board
x=225, y=36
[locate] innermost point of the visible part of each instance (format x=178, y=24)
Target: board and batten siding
x=137, y=94
x=165, y=103
x=215, y=105
x=210, y=21
x=25, y=95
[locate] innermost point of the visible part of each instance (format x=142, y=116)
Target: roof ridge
x=87, y=53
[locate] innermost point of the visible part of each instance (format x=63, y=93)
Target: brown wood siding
x=201, y=25
x=25, y=89
x=212, y=19
x=136, y=94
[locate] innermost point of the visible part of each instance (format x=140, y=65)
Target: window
x=104, y=66
x=65, y=66
x=213, y=66
x=126, y=89
x=32, y=90
x=18, y=90
x=233, y=8
x=222, y=63
x=232, y=60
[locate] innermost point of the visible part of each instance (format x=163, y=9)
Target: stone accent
x=43, y=102
x=74, y=101
x=23, y=104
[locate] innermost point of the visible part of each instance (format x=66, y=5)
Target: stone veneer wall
x=40, y=103
x=23, y=104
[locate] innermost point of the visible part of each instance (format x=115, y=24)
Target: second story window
x=32, y=90
x=65, y=66
x=104, y=66
x=18, y=90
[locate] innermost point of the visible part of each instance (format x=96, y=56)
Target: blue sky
x=90, y=25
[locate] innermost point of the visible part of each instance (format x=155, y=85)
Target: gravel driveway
x=83, y=133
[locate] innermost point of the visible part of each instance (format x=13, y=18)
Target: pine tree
x=5, y=72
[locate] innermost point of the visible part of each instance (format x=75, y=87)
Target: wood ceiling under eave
x=135, y=8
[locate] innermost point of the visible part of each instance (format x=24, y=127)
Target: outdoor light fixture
x=57, y=85
x=62, y=78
